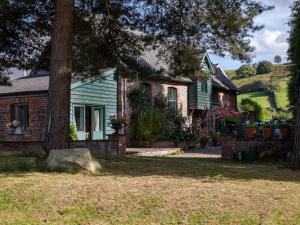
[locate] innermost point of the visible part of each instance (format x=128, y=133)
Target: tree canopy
x=277, y=59
x=113, y=33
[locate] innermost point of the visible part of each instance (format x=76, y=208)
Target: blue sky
x=269, y=41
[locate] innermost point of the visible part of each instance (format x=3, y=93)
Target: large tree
x=106, y=34
x=294, y=85
x=57, y=129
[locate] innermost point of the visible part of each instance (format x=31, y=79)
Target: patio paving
x=175, y=152
x=152, y=151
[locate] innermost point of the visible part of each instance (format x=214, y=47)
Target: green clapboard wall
x=97, y=91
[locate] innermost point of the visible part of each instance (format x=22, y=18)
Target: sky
x=271, y=40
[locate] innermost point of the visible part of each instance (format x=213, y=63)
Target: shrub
x=251, y=106
x=150, y=126
x=246, y=71
x=73, y=132
x=264, y=67
x=216, y=139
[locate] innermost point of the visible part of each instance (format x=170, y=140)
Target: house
x=199, y=101
x=93, y=102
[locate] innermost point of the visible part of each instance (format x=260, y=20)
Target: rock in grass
x=75, y=158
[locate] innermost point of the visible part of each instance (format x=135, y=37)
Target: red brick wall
x=227, y=101
x=37, y=106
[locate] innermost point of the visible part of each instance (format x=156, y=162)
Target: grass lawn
x=152, y=191
x=281, y=96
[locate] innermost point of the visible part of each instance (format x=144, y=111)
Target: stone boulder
x=75, y=158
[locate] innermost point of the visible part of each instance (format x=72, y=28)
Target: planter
x=267, y=133
x=117, y=127
x=250, y=133
x=284, y=133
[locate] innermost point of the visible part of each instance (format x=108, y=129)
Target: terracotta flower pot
x=267, y=133
x=250, y=133
x=284, y=133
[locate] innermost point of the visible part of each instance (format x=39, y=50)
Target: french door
x=89, y=122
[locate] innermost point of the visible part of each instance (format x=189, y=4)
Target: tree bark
x=296, y=149
x=58, y=113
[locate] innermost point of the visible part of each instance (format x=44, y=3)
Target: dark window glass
x=215, y=97
x=79, y=117
x=20, y=113
x=204, y=86
x=147, y=95
x=172, y=98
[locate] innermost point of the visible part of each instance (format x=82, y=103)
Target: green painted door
x=97, y=123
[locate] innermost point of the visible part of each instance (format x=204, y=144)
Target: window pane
x=20, y=113
x=98, y=123
x=79, y=118
x=172, y=98
x=146, y=89
x=23, y=116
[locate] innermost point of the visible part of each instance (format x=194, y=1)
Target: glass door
x=98, y=123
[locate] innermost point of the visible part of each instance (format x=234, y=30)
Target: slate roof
x=34, y=83
x=221, y=80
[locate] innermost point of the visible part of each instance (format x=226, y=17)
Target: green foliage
x=176, y=124
x=150, y=126
x=246, y=71
x=264, y=67
x=204, y=140
x=277, y=59
x=73, y=132
x=216, y=139
x=252, y=106
x=107, y=42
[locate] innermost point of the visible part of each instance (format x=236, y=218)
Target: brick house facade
x=37, y=106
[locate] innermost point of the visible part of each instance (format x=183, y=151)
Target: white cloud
x=270, y=42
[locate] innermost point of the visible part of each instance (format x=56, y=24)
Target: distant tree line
x=248, y=70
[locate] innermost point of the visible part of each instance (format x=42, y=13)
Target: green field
x=249, y=86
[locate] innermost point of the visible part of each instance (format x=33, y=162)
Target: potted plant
x=204, y=140
x=250, y=131
x=117, y=123
x=284, y=130
x=14, y=127
x=267, y=131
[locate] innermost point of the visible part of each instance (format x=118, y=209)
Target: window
x=20, y=113
x=147, y=96
x=98, y=120
x=204, y=86
x=215, y=97
x=79, y=118
x=172, y=98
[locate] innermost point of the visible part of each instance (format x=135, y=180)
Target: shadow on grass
x=196, y=168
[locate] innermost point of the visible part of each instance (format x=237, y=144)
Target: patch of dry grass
x=154, y=191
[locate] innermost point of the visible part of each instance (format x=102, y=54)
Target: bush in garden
x=73, y=132
x=246, y=71
x=150, y=126
x=251, y=106
x=264, y=67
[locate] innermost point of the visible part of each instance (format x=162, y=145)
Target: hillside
x=274, y=102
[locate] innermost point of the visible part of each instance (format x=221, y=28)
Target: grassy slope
x=153, y=191
x=281, y=94
x=262, y=97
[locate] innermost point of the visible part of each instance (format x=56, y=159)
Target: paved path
x=152, y=151
x=174, y=152
x=197, y=155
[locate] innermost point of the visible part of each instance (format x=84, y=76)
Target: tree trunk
x=58, y=113
x=296, y=149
